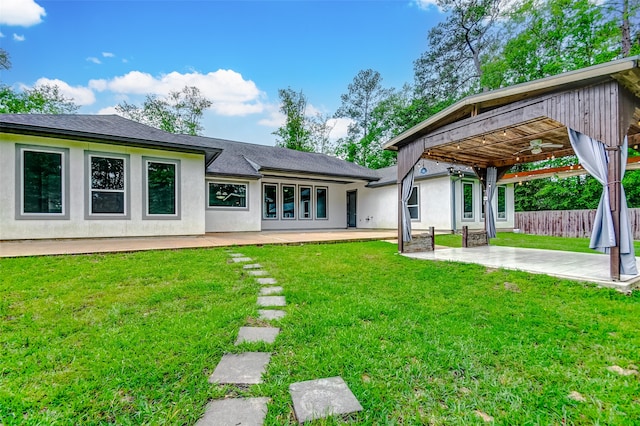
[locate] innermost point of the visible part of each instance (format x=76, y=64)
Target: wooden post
x=432, y=231
x=465, y=236
x=400, y=233
x=614, y=174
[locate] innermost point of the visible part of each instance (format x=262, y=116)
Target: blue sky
x=238, y=53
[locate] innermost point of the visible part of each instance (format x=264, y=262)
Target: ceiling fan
x=536, y=145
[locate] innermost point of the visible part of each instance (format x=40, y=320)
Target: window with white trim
x=468, y=200
x=321, y=202
x=305, y=202
x=269, y=201
x=107, y=184
x=288, y=201
x=227, y=194
x=161, y=188
x=502, y=203
x=413, y=203
x=42, y=185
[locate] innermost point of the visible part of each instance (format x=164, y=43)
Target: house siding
x=191, y=219
x=224, y=219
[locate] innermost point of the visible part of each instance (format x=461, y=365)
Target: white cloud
x=108, y=55
x=426, y=4
x=340, y=127
x=80, y=95
x=94, y=60
x=21, y=13
x=275, y=118
x=110, y=110
x=18, y=37
x=230, y=93
x=1, y=35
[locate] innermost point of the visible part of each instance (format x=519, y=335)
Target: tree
x=294, y=134
x=43, y=99
x=452, y=65
x=5, y=60
x=364, y=94
x=180, y=112
x=320, y=133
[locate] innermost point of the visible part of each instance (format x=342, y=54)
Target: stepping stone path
x=313, y=399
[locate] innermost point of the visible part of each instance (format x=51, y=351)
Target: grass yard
x=132, y=338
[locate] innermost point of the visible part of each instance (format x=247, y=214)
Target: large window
x=227, y=195
x=42, y=182
x=288, y=202
x=502, y=203
x=468, y=200
x=107, y=185
x=270, y=201
x=321, y=203
x=305, y=202
x=414, y=204
x=162, y=183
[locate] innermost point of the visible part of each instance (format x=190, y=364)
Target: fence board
x=566, y=223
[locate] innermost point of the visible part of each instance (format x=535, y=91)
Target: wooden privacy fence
x=566, y=223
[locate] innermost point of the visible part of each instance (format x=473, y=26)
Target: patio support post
x=400, y=208
x=614, y=173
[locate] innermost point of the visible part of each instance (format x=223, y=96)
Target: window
x=42, y=182
x=288, y=201
x=414, y=204
x=162, y=180
x=107, y=185
x=467, y=200
x=321, y=203
x=305, y=202
x=227, y=195
x=270, y=201
x=502, y=203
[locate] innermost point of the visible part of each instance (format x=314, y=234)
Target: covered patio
x=593, y=113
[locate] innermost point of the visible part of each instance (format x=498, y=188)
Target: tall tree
x=5, y=60
x=294, y=134
x=320, y=129
x=179, y=113
x=43, y=99
x=452, y=65
x=363, y=95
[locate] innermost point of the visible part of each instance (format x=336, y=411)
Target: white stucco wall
x=478, y=221
x=192, y=217
x=229, y=219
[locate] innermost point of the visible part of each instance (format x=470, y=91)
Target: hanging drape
x=594, y=159
x=407, y=186
x=492, y=177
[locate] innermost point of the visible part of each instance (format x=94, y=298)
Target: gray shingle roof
x=237, y=159
x=107, y=128
x=389, y=175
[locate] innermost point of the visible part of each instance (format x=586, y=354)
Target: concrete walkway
x=223, y=239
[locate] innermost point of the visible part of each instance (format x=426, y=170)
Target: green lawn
x=132, y=338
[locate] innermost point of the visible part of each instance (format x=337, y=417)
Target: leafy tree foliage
x=294, y=134
x=43, y=99
x=5, y=60
x=178, y=113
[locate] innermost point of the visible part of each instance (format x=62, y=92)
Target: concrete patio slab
x=241, y=369
x=266, y=291
x=267, y=281
x=266, y=301
x=270, y=314
x=252, y=266
x=587, y=267
x=316, y=399
x=235, y=411
x=257, y=334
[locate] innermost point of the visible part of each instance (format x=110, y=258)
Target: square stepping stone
x=271, y=301
x=236, y=255
x=234, y=411
x=264, y=281
x=257, y=334
x=241, y=259
x=265, y=291
x=316, y=399
x=252, y=266
x=258, y=272
x=242, y=369
x=270, y=314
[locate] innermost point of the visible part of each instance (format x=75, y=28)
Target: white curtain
x=407, y=186
x=492, y=177
x=594, y=159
